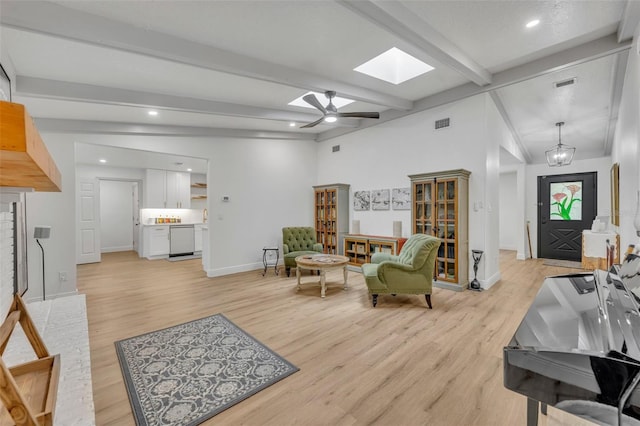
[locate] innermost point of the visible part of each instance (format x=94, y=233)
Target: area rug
x=186, y=374
x=562, y=263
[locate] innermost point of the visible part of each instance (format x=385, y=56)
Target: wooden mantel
x=24, y=159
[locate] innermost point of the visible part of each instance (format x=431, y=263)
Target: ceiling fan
x=330, y=113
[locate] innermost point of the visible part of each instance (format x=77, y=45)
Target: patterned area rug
x=186, y=374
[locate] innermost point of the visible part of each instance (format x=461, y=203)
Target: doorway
x=118, y=215
x=567, y=204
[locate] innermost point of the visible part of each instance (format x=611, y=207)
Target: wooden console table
x=359, y=248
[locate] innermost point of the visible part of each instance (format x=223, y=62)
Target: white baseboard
x=488, y=283
x=520, y=256
x=49, y=296
x=233, y=269
x=115, y=249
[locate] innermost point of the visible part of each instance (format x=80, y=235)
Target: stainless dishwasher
x=181, y=240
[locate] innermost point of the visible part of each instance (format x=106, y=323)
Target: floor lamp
x=42, y=233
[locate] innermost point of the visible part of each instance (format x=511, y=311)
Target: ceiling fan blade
x=359, y=114
x=315, y=123
x=313, y=101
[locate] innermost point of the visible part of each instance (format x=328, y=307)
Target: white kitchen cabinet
x=156, y=241
x=197, y=230
x=178, y=190
x=167, y=189
x=155, y=189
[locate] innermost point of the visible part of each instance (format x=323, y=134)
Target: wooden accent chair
x=410, y=272
x=28, y=391
x=297, y=241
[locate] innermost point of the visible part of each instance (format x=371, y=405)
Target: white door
x=88, y=216
x=136, y=215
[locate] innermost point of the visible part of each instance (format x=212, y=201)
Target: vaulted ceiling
x=232, y=67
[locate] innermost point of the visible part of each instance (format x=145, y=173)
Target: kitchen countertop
x=169, y=224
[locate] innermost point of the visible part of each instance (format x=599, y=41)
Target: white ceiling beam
x=619, y=70
x=59, y=21
x=406, y=24
x=61, y=90
x=605, y=46
x=507, y=120
x=629, y=21
x=54, y=125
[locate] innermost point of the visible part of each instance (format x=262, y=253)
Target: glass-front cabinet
x=440, y=208
x=331, y=207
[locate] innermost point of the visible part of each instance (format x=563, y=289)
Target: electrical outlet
x=62, y=276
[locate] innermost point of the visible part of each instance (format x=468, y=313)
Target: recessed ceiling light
x=394, y=66
x=337, y=101
x=102, y=160
x=533, y=23
x=292, y=124
x=189, y=170
x=153, y=113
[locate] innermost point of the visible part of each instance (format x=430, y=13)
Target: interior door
x=567, y=204
x=88, y=225
x=136, y=215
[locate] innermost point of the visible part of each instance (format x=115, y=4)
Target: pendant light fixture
x=561, y=155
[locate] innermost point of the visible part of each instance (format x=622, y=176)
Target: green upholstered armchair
x=411, y=272
x=297, y=241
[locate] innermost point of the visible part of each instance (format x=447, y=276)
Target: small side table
x=267, y=259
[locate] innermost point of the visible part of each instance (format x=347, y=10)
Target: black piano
x=578, y=347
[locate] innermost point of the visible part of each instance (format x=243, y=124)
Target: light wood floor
x=397, y=364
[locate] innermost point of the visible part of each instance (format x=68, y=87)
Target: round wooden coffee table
x=322, y=263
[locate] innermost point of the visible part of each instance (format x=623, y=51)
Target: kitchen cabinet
x=167, y=189
x=156, y=241
x=178, y=190
x=197, y=230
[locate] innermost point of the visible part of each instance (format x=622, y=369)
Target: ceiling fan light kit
x=330, y=113
x=561, y=155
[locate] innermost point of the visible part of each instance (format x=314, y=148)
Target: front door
x=566, y=206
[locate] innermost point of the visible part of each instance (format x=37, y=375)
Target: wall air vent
x=442, y=123
x=568, y=82
x=335, y=148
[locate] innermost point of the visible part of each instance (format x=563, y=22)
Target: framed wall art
x=401, y=198
x=361, y=200
x=380, y=199
x=5, y=85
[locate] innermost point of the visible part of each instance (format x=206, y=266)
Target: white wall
x=497, y=134
x=269, y=183
x=626, y=150
x=383, y=156
x=600, y=165
x=116, y=215
x=55, y=209
x=508, y=211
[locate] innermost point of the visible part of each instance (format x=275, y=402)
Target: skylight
x=394, y=66
x=337, y=101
